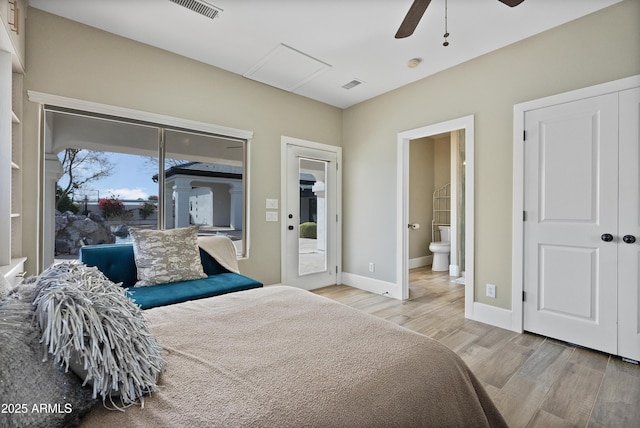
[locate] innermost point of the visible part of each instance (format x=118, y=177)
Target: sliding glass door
x=148, y=175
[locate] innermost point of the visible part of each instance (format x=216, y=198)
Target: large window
x=142, y=174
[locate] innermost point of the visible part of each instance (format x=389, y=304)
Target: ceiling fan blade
x=414, y=15
x=511, y=3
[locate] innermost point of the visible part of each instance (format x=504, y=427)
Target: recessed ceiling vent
x=352, y=84
x=201, y=7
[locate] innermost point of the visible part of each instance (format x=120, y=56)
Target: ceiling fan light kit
x=418, y=8
x=446, y=24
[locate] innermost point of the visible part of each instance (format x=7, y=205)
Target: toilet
x=441, y=250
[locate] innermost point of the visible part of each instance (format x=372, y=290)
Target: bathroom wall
x=421, y=184
x=442, y=161
x=429, y=169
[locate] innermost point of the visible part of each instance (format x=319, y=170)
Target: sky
x=130, y=178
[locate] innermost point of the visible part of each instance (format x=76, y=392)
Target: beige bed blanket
x=283, y=357
x=222, y=249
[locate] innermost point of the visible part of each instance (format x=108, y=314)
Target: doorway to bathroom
x=435, y=197
x=436, y=203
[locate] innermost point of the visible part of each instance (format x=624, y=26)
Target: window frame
x=54, y=103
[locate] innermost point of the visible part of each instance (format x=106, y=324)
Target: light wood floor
x=534, y=381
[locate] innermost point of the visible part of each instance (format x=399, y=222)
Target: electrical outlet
x=372, y=267
x=491, y=291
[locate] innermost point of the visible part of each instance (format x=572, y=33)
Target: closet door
x=629, y=252
x=571, y=225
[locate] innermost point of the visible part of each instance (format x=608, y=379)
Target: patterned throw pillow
x=166, y=255
x=89, y=325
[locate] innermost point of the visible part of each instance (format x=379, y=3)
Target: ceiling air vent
x=199, y=6
x=352, y=84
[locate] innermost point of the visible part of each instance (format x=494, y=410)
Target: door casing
x=402, y=233
x=337, y=248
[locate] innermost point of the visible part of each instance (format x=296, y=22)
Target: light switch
x=272, y=215
x=272, y=204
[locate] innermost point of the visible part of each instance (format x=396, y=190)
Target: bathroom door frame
x=402, y=260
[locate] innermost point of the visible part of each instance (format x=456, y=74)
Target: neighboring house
x=72, y=60
x=205, y=194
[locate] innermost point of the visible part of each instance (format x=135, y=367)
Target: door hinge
x=524, y=296
x=524, y=216
x=336, y=218
x=524, y=135
x=336, y=268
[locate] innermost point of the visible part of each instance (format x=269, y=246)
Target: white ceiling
x=314, y=47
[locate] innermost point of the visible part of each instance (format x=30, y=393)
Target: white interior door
x=571, y=209
x=629, y=228
x=310, y=224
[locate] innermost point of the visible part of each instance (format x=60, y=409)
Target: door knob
x=290, y=227
x=607, y=237
x=629, y=239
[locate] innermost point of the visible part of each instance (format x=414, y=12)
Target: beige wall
x=421, y=161
x=69, y=59
x=442, y=161
x=65, y=58
x=429, y=169
x=597, y=48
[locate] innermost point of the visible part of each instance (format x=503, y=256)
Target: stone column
x=169, y=212
x=235, y=206
x=181, y=194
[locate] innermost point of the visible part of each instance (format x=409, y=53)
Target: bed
x=283, y=357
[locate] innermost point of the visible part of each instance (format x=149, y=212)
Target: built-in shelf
x=11, y=140
x=11, y=183
x=14, y=271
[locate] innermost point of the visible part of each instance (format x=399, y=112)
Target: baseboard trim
x=492, y=315
x=420, y=261
x=454, y=270
x=372, y=285
x=487, y=314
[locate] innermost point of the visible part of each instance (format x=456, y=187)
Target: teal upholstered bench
x=117, y=263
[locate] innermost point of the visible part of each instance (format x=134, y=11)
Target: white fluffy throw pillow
x=164, y=256
x=89, y=324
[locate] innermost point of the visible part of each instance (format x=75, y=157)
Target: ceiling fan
x=418, y=8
